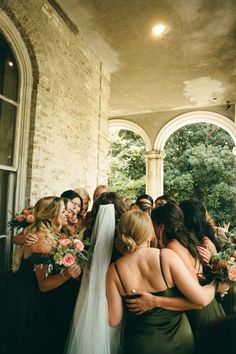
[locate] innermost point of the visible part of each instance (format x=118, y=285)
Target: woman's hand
x=141, y=304
x=204, y=253
x=222, y=288
x=73, y=271
x=31, y=239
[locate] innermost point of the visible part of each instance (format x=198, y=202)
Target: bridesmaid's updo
x=134, y=228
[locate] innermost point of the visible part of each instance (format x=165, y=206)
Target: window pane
x=4, y=177
x=7, y=132
x=3, y=254
x=8, y=71
x=6, y=205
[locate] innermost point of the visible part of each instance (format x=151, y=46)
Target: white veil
x=90, y=332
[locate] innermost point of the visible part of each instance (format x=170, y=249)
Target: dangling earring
x=148, y=243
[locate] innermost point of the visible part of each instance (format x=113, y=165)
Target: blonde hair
x=134, y=228
x=82, y=192
x=45, y=210
x=101, y=188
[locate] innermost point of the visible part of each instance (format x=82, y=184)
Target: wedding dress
x=90, y=332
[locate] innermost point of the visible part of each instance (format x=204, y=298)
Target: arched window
x=9, y=101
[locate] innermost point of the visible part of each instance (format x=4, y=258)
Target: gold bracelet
x=65, y=276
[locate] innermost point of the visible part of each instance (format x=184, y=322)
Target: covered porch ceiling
x=192, y=65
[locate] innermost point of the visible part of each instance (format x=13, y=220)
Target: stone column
x=154, y=172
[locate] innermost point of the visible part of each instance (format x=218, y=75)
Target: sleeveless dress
x=201, y=320
x=33, y=321
x=22, y=314
x=157, y=331
x=59, y=305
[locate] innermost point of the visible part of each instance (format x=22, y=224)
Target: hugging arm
x=114, y=299
x=147, y=301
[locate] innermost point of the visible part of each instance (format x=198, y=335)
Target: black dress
x=157, y=331
x=32, y=321
x=59, y=306
x=22, y=314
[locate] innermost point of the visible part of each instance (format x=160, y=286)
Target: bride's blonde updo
x=134, y=228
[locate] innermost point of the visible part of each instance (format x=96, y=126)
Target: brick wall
x=69, y=129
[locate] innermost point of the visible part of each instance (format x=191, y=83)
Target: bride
x=90, y=332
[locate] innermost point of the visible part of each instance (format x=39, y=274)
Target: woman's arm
x=114, y=299
x=48, y=282
x=25, y=239
x=53, y=281
x=174, y=267
x=147, y=301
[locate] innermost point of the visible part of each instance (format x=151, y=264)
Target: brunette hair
x=103, y=199
x=197, y=220
x=171, y=216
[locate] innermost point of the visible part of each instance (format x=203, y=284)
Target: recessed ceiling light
x=159, y=29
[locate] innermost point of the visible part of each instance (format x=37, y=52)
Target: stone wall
x=68, y=141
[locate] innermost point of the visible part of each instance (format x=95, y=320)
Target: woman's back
x=156, y=331
x=138, y=269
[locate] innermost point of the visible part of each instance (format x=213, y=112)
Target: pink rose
x=30, y=218
x=232, y=272
x=20, y=217
x=26, y=212
x=64, y=242
x=68, y=260
x=79, y=245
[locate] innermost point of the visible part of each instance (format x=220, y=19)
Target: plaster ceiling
x=192, y=66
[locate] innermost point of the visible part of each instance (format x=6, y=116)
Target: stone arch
x=181, y=121
x=191, y=118
x=13, y=36
x=128, y=125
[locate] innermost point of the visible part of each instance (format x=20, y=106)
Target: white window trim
x=23, y=113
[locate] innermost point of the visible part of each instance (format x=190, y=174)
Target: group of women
x=146, y=290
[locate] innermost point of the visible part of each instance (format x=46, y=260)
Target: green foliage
x=199, y=163
x=127, y=164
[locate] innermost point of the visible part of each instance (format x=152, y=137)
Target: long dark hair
x=171, y=216
x=196, y=221
x=103, y=199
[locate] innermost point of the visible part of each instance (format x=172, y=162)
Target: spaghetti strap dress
x=201, y=320
x=22, y=312
x=157, y=331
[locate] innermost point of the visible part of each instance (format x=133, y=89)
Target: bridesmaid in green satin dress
x=160, y=273
x=170, y=227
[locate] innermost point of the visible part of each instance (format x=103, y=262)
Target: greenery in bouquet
x=22, y=219
x=223, y=263
x=68, y=252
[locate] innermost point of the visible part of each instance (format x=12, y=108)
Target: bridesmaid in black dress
x=158, y=272
x=28, y=322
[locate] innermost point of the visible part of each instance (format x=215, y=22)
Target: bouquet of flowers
x=68, y=252
x=22, y=219
x=223, y=263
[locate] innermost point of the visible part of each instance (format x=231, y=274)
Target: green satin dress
x=157, y=331
x=201, y=320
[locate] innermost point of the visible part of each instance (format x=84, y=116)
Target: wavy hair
x=45, y=210
x=171, y=216
x=197, y=220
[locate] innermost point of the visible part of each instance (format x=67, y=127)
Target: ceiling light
x=10, y=63
x=159, y=29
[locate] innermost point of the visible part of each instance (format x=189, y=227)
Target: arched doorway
x=186, y=119
x=151, y=158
